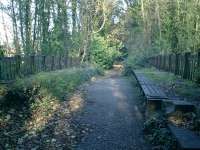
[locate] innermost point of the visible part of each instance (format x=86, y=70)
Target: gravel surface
x=113, y=116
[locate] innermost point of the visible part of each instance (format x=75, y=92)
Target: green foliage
x=162, y=26
x=2, y=50
x=134, y=61
x=58, y=83
x=102, y=53
x=158, y=134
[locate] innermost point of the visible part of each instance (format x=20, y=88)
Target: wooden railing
x=21, y=66
x=187, y=65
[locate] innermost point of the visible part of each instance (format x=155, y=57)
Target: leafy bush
x=58, y=83
x=102, y=53
x=157, y=133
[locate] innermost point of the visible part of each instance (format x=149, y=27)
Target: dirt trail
x=111, y=111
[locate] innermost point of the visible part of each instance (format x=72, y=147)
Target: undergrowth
x=157, y=133
x=28, y=104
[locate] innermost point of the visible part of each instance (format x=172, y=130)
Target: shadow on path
x=112, y=113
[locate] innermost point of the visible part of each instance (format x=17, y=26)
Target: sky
x=7, y=28
x=6, y=24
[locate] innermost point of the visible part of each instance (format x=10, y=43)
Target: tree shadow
x=61, y=131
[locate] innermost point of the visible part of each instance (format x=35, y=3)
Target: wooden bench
x=179, y=105
x=152, y=92
x=155, y=96
x=186, y=139
x=141, y=79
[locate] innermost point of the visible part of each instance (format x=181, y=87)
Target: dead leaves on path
x=57, y=129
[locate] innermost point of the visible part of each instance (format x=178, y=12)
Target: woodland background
x=96, y=30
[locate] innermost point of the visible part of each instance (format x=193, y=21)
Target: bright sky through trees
x=6, y=22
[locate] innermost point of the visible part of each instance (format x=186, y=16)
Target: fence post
x=18, y=65
x=52, y=62
x=59, y=61
x=32, y=63
x=156, y=62
x=198, y=60
x=164, y=62
x=66, y=60
x=170, y=63
x=186, y=73
x=176, y=70
x=159, y=62
x=43, y=63
x=70, y=62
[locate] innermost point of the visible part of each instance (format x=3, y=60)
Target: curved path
x=112, y=112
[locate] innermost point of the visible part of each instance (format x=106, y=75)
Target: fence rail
x=187, y=65
x=21, y=66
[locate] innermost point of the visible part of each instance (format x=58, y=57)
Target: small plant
x=157, y=133
x=127, y=70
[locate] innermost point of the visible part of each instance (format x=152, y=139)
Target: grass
x=185, y=88
x=29, y=104
x=58, y=83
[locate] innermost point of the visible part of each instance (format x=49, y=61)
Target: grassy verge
x=28, y=104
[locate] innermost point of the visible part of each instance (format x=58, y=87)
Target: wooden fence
x=20, y=66
x=187, y=65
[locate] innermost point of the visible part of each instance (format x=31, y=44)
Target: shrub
x=157, y=133
x=58, y=83
x=102, y=53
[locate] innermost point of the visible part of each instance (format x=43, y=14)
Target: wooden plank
x=153, y=92
x=186, y=139
x=180, y=105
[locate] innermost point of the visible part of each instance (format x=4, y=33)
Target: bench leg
x=154, y=105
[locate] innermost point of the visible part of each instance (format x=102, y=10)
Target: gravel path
x=112, y=113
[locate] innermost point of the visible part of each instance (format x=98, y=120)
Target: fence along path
x=20, y=66
x=187, y=65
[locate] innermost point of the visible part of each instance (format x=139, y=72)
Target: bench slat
x=150, y=90
x=153, y=92
x=186, y=139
